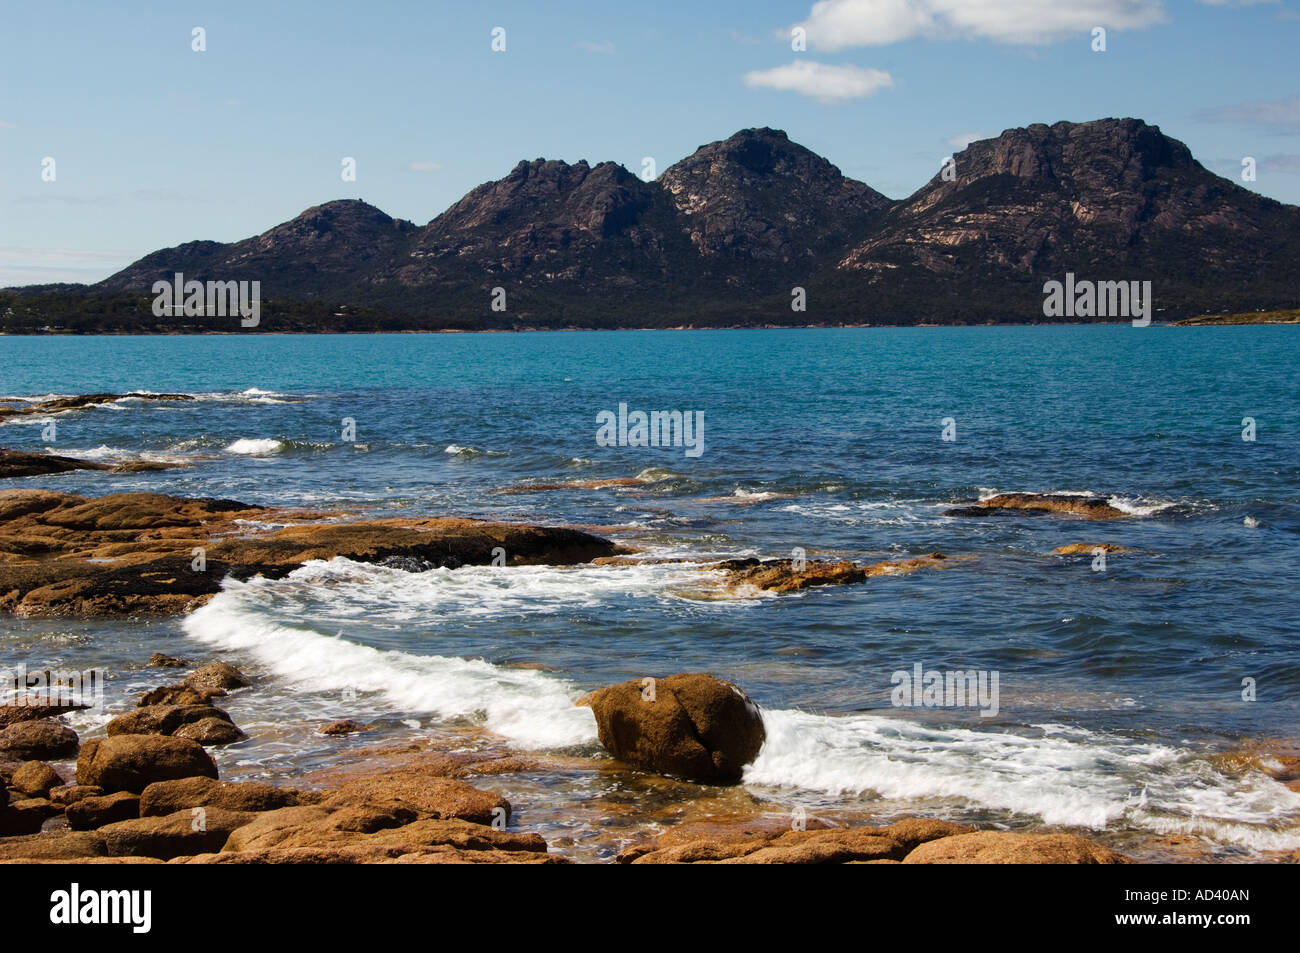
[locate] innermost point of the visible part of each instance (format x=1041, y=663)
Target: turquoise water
x=1116, y=686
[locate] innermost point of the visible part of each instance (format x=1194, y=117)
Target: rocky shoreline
x=149, y=791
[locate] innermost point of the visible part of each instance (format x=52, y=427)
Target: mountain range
x=725, y=235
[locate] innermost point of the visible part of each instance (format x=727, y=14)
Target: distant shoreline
x=1209, y=320
x=1285, y=316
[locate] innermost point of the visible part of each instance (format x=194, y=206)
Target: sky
x=155, y=143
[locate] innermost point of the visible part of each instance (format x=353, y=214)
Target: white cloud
x=820, y=81
x=605, y=46
x=25, y=266
x=1289, y=164
x=839, y=24
x=965, y=139
x=424, y=167
x=1282, y=113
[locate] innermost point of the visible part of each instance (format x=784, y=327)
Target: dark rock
x=13, y=714
x=344, y=727
x=18, y=463
x=166, y=661
x=180, y=695
x=92, y=812
x=60, y=845
x=43, y=740
x=167, y=797
x=66, y=794
x=198, y=830
x=35, y=779
x=690, y=726
x=218, y=675
x=211, y=731
x=133, y=762
x=162, y=719
x=26, y=816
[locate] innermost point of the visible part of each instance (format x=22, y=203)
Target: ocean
x=1120, y=707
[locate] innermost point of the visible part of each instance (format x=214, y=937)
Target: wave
x=256, y=447
x=657, y=475
x=340, y=588
x=456, y=450
x=251, y=395
x=119, y=455
x=527, y=707
x=1065, y=776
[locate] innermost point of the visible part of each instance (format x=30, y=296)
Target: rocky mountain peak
x=757, y=195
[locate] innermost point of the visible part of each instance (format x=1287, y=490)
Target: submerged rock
x=1089, y=507
x=690, y=726
x=166, y=661
x=345, y=727
x=1089, y=549
x=785, y=575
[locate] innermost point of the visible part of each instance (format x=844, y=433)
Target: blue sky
x=156, y=144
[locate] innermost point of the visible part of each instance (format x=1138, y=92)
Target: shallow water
x=1116, y=687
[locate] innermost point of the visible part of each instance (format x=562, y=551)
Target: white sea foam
x=1059, y=776
x=1139, y=506
x=526, y=707
x=256, y=447
x=251, y=395
x=346, y=589
x=657, y=475
x=742, y=493
x=102, y=452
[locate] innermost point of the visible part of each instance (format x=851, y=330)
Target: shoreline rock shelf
x=21, y=463
x=135, y=553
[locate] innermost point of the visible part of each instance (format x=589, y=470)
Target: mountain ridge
x=725, y=235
